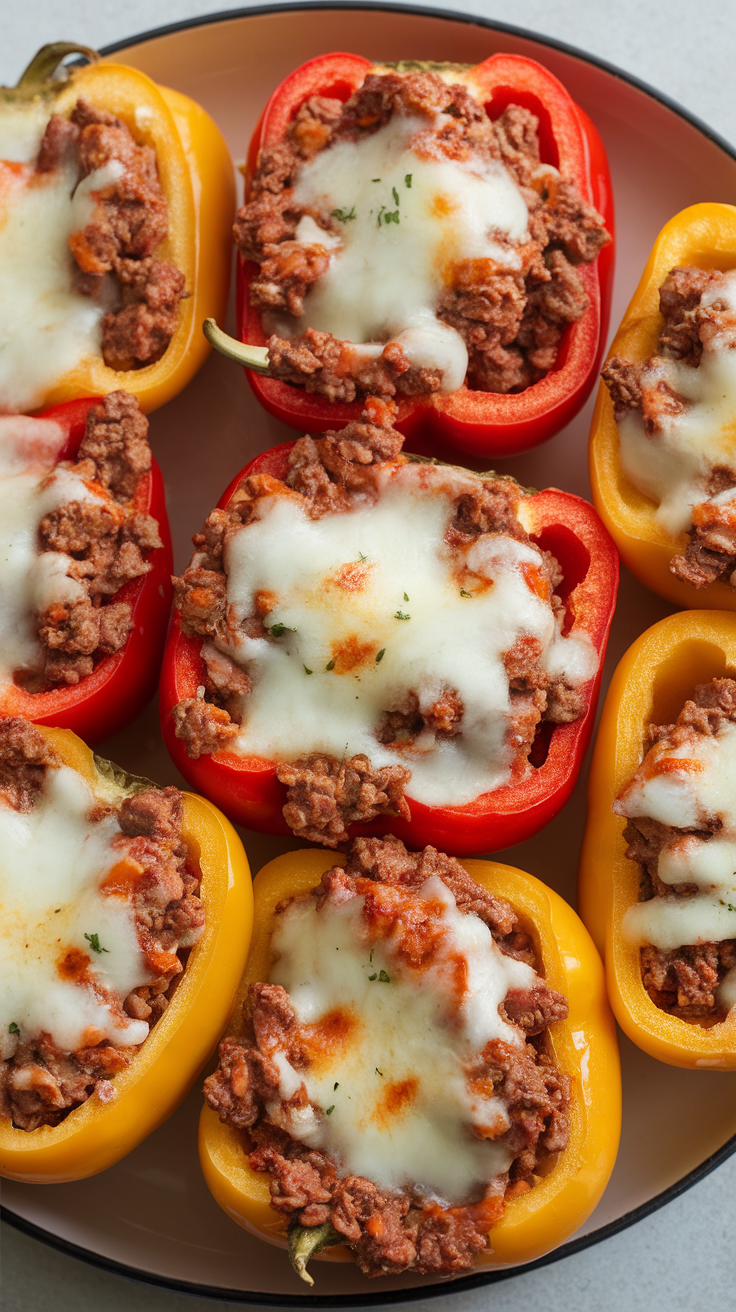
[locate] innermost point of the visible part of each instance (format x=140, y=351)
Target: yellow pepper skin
x=650, y=686
x=95, y=1135
x=703, y=235
x=584, y=1045
x=196, y=174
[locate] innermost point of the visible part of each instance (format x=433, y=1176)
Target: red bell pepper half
x=247, y=789
x=479, y=423
x=121, y=684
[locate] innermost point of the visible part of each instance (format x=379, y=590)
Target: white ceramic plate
x=152, y=1216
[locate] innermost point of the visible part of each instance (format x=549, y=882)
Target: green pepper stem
x=305, y=1241
x=253, y=357
x=45, y=63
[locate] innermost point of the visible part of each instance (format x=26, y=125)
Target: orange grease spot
x=351, y=653
x=443, y=205
x=73, y=964
x=396, y=1100
x=329, y=1037
x=92, y=1036
x=266, y=601
x=122, y=878
x=351, y=577
x=536, y=580
x=676, y=765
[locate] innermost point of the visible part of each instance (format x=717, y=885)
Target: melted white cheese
x=395, y=550
x=412, y=219
x=46, y=327
x=691, y=796
x=673, y=466
x=400, y=1111
x=52, y=862
x=30, y=488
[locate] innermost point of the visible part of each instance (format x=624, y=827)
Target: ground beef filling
x=511, y=321
x=687, y=325
x=393, y=1231
x=326, y=795
x=683, y=982
x=114, y=253
x=40, y=1084
x=108, y=546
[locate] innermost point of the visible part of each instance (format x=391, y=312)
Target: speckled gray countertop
x=681, y=1256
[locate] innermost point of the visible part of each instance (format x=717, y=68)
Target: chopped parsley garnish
x=407, y=180
x=335, y=1086
x=395, y=195
x=378, y=1072
x=330, y=1110
x=277, y=630
x=330, y=664
x=380, y=655
x=728, y=905
x=463, y=593
x=406, y=596
x=399, y=615
x=361, y=557
x=344, y=215
x=375, y=179
x=94, y=942
x=391, y=216
x=307, y=669
x=383, y=978
x=13, y=1028
x=372, y=977
x=371, y=956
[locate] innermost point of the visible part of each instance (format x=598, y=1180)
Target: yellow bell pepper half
x=197, y=178
x=95, y=1135
x=650, y=686
x=705, y=236
x=584, y=1046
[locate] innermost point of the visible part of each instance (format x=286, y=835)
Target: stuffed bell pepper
x=127, y=911
x=116, y=198
x=447, y=1095
x=658, y=871
x=428, y=232
x=363, y=634
x=662, y=452
x=85, y=565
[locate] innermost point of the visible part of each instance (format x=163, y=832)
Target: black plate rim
x=480, y=1278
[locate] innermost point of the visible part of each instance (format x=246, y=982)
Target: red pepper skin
x=121, y=684
x=247, y=789
x=479, y=423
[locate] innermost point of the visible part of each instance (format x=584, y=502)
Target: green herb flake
x=383, y=978
x=463, y=593
x=399, y=615
x=378, y=1072
x=330, y=664
x=344, y=216
x=380, y=655
x=361, y=557
x=391, y=216
x=278, y=630
x=372, y=977
x=307, y=669
x=370, y=959
x=406, y=596
x=375, y=179
x=407, y=180
x=13, y=1028
x=94, y=942
x=728, y=905
x=380, y=214
x=395, y=195
x=336, y=1085
x=329, y=1110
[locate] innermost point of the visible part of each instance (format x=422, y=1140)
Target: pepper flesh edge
x=584, y=1046
x=703, y=235
x=479, y=423
x=95, y=1135
x=650, y=685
